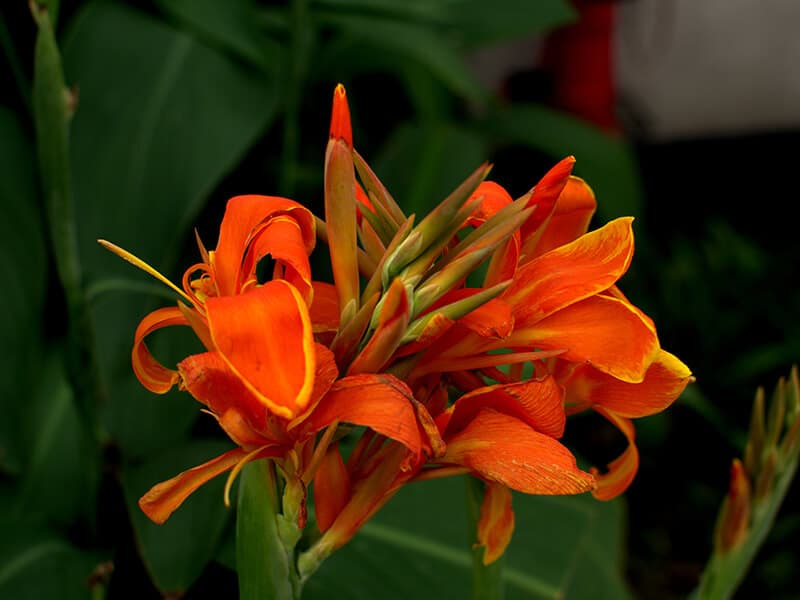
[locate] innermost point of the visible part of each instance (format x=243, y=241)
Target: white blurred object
x=708, y=68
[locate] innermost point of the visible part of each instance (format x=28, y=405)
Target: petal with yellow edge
x=664, y=381
x=620, y=472
x=567, y=274
x=164, y=498
x=243, y=214
x=505, y=450
x=539, y=404
x=381, y=402
x=607, y=333
x=265, y=338
x=496, y=522
x=152, y=374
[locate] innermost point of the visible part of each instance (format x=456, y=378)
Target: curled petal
x=544, y=196
x=505, y=450
x=243, y=216
x=539, y=404
x=152, y=374
x=622, y=470
x=381, y=402
x=496, y=522
x=663, y=382
x=607, y=333
x=162, y=499
x=570, y=273
x=265, y=338
x=494, y=197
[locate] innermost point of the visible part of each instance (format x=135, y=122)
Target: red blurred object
x=579, y=59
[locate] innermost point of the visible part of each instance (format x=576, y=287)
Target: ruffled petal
x=539, y=404
x=505, y=450
x=381, y=402
x=265, y=338
x=243, y=215
x=622, y=470
x=162, y=499
x=607, y=333
x=570, y=273
x=664, y=381
x=496, y=522
x=152, y=374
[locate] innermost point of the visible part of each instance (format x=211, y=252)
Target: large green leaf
x=418, y=546
x=480, y=23
x=420, y=165
x=176, y=552
x=161, y=119
x=23, y=270
x=607, y=163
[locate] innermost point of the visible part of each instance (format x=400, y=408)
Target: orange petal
x=381, y=402
x=494, y=197
x=622, y=470
x=331, y=488
x=505, y=450
x=162, y=499
x=243, y=215
x=496, y=522
x=151, y=373
x=539, y=404
x=282, y=238
x=340, y=117
x=265, y=338
x=570, y=218
x=602, y=331
x=543, y=197
x=663, y=382
x=587, y=266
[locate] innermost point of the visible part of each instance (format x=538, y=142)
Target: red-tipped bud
x=734, y=521
x=340, y=117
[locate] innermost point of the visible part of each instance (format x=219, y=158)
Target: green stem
x=487, y=580
x=52, y=109
x=265, y=567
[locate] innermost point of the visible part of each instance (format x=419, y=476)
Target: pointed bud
x=734, y=520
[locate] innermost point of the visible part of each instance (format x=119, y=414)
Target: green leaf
x=607, y=163
x=23, y=270
x=563, y=547
x=420, y=43
x=35, y=564
x=480, y=23
x=162, y=119
x=176, y=552
x=421, y=164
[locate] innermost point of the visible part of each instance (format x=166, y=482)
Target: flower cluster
x=456, y=344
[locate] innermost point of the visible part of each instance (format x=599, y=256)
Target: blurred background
x=683, y=114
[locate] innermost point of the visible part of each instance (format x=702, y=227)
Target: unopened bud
x=734, y=519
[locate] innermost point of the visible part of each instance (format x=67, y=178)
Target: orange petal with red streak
x=265, y=338
x=545, y=194
x=569, y=273
x=151, y=373
x=539, y=404
x=622, y=470
x=340, y=117
x=664, y=381
x=381, y=402
x=331, y=488
x=496, y=522
x=505, y=450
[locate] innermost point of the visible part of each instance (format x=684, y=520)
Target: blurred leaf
x=36, y=564
x=232, y=25
x=162, y=118
x=425, y=45
x=607, y=163
x=23, y=270
x=423, y=11
x=420, y=165
x=417, y=546
x=176, y=552
x=480, y=22
x=61, y=454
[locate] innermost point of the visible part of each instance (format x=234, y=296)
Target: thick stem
x=487, y=580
